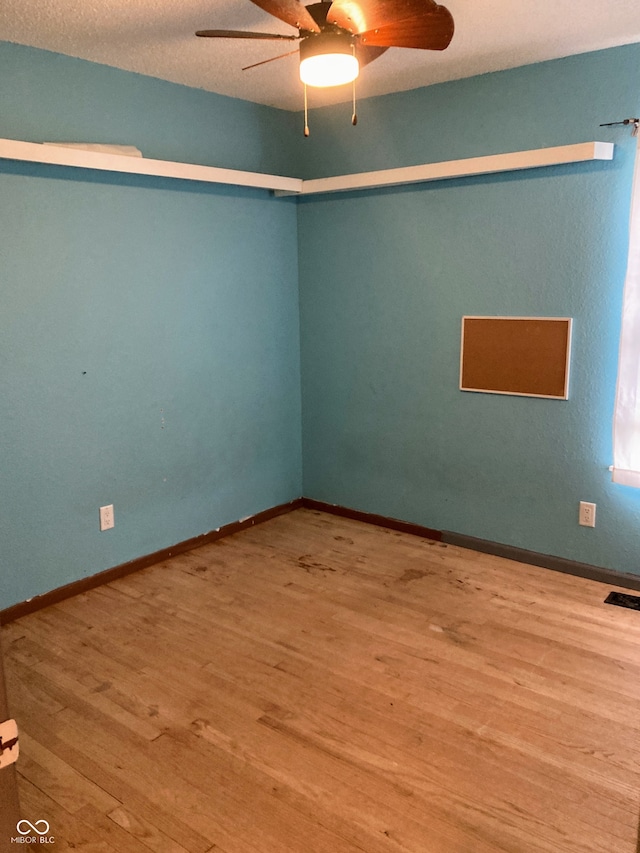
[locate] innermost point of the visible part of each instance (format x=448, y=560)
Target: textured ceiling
x=156, y=37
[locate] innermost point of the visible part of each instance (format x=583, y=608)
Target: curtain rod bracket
x=634, y=121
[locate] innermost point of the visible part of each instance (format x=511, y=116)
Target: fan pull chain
x=306, y=112
x=354, y=117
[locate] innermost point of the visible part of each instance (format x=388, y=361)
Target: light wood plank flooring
x=319, y=685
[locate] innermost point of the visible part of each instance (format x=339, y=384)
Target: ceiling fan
x=338, y=37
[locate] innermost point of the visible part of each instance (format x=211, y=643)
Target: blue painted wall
x=551, y=103
x=385, y=277
x=149, y=330
x=45, y=96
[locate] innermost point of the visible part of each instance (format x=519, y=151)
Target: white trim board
x=33, y=152
x=490, y=164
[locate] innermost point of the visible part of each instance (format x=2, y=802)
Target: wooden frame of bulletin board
x=524, y=356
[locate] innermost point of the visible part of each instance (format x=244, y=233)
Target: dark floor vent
x=622, y=599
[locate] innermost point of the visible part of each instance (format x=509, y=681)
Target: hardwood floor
x=320, y=685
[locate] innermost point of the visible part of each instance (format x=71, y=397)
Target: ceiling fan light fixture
x=329, y=69
x=328, y=59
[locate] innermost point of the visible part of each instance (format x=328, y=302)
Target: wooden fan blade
x=359, y=16
x=273, y=59
x=432, y=31
x=366, y=54
x=241, y=34
x=289, y=11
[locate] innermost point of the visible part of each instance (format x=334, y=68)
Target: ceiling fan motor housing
x=316, y=44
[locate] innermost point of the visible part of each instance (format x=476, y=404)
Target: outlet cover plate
x=107, y=520
x=587, y=516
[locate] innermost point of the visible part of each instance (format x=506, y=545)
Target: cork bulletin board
x=526, y=356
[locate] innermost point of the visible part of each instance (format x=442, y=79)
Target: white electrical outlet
x=106, y=517
x=587, y=516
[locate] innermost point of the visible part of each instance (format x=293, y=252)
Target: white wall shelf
x=490, y=164
x=33, y=152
